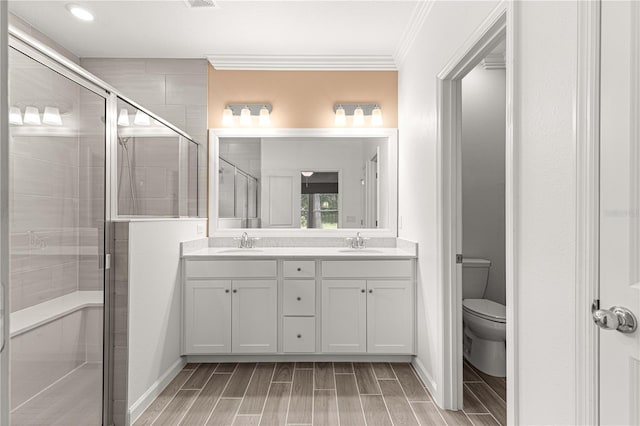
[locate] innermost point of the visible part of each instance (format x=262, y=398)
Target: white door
x=254, y=316
x=620, y=210
x=344, y=316
x=390, y=317
x=207, y=322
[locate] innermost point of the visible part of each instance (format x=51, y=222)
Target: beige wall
x=303, y=99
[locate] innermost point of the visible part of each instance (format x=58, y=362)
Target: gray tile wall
x=175, y=89
x=121, y=322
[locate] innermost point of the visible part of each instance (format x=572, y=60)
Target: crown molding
x=494, y=61
x=418, y=17
x=303, y=62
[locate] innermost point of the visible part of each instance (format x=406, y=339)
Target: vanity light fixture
x=307, y=174
x=227, y=117
x=32, y=116
x=123, y=118
x=15, y=116
x=141, y=119
x=358, y=116
x=52, y=116
x=341, y=117
x=245, y=116
x=264, y=119
x=358, y=112
x=246, y=113
x=80, y=12
x=376, y=116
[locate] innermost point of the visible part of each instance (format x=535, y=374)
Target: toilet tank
x=475, y=275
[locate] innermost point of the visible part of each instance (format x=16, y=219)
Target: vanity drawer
x=299, y=334
x=367, y=269
x=299, y=268
x=230, y=268
x=299, y=297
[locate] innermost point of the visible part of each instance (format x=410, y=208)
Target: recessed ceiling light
x=80, y=12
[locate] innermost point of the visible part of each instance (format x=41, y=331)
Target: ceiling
x=170, y=29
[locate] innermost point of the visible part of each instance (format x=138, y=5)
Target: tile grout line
x=482, y=403
x=197, y=395
x=169, y=402
x=286, y=418
x=255, y=367
x=433, y=402
x=264, y=404
x=384, y=401
x=221, y=393
x=405, y=394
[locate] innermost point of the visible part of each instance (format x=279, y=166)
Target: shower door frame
x=58, y=64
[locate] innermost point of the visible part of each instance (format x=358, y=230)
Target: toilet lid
x=485, y=308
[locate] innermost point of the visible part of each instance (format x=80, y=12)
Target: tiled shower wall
x=175, y=89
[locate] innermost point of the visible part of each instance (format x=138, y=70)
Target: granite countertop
x=300, y=252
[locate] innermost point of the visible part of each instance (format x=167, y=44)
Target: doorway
x=485, y=40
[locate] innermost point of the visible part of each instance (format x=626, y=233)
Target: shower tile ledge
x=34, y=316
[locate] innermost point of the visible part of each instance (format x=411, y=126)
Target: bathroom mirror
x=300, y=181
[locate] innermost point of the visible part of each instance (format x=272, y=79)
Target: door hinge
x=595, y=305
x=459, y=258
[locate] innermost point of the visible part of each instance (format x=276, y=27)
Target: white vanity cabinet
x=368, y=307
x=228, y=309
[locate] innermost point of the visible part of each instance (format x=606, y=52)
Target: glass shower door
x=57, y=232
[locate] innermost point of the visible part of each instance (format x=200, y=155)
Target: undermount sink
x=241, y=250
x=363, y=250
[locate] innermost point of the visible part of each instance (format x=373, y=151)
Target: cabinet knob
x=298, y=298
x=235, y=290
x=371, y=291
x=299, y=269
x=226, y=291
x=299, y=336
x=362, y=291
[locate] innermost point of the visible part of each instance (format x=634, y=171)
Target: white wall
x=483, y=173
x=155, y=300
x=446, y=28
x=545, y=83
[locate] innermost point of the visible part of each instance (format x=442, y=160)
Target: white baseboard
x=426, y=379
x=138, y=407
x=299, y=358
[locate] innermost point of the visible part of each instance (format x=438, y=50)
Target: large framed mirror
x=303, y=181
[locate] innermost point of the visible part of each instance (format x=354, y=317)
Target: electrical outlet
x=200, y=229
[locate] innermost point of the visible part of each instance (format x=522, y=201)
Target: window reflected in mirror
x=319, y=202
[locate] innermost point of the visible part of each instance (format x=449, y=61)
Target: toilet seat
x=486, y=309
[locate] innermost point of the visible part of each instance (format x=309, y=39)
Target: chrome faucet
x=358, y=242
x=246, y=241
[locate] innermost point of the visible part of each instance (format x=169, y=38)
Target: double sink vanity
x=303, y=291
x=310, y=297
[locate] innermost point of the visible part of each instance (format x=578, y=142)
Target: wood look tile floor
x=321, y=393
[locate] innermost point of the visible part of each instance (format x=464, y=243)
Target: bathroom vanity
x=299, y=301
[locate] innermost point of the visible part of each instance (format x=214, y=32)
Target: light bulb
x=376, y=116
x=358, y=117
x=265, y=118
x=341, y=117
x=52, y=116
x=227, y=117
x=32, y=115
x=15, y=116
x=141, y=119
x=123, y=118
x=245, y=116
x=307, y=174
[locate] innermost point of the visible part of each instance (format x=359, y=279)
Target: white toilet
x=484, y=321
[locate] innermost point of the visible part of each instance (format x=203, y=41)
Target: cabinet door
x=254, y=316
x=344, y=314
x=390, y=317
x=207, y=317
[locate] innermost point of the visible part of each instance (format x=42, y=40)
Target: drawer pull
x=299, y=269
x=299, y=336
x=226, y=291
x=298, y=298
x=371, y=291
x=362, y=291
x=235, y=290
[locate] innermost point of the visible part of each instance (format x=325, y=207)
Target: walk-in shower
x=76, y=166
